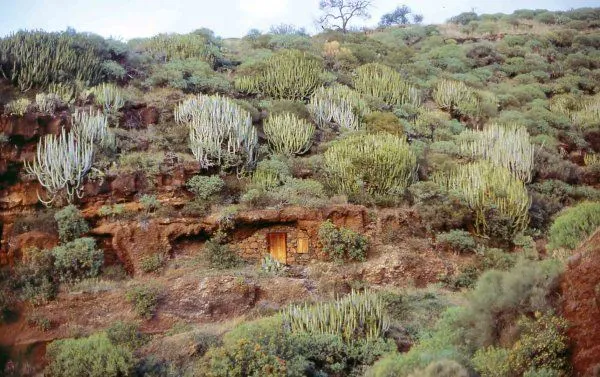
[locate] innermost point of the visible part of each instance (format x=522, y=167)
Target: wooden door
x=278, y=246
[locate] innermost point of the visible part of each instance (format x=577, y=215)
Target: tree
x=337, y=13
x=398, y=16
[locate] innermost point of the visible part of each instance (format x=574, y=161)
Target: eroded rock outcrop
x=581, y=306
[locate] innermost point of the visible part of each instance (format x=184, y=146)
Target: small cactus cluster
x=454, y=96
x=47, y=102
x=486, y=186
x=271, y=266
x=17, y=107
x=290, y=74
x=35, y=59
x=338, y=104
x=62, y=161
x=584, y=111
x=288, y=134
x=383, y=82
x=506, y=146
x=591, y=159
x=109, y=96
x=357, y=316
x=172, y=46
x=221, y=132
x=380, y=165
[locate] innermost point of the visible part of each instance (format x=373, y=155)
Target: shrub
x=442, y=368
x=500, y=297
x=150, y=203
x=492, y=362
x=152, y=263
x=109, y=96
x=245, y=358
x=439, y=209
x=189, y=75
x=205, y=187
x=357, y=315
x=288, y=134
x=380, y=166
x=93, y=356
x=71, y=224
x=378, y=122
x=573, y=225
x=283, y=106
x=220, y=255
x=35, y=276
x=457, y=240
x=342, y=243
x=144, y=299
x=126, y=334
x=289, y=74
x=77, y=259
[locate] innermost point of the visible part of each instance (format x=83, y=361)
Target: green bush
x=150, y=203
x=93, y=356
x=378, y=122
x=189, y=75
x=220, y=255
x=71, y=224
x=204, y=187
x=152, y=263
x=288, y=134
x=442, y=368
x=283, y=106
x=492, y=362
x=342, y=243
x=458, y=240
x=35, y=276
x=77, y=260
x=500, y=297
x=126, y=334
x=574, y=225
x=144, y=299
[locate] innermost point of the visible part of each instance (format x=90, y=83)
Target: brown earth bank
x=581, y=306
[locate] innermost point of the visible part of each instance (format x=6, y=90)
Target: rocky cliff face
x=581, y=306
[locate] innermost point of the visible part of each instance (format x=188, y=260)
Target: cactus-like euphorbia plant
x=221, y=132
x=340, y=105
x=379, y=165
x=61, y=163
x=383, y=82
x=288, y=134
x=289, y=74
x=358, y=316
x=506, y=146
x=486, y=186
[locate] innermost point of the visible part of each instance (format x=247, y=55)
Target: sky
x=126, y=19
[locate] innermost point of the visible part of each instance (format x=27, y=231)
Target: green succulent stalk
x=91, y=126
x=340, y=105
x=61, y=163
x=220, y=131
x=485, y=186
x=380, y=165
x=109, y=96
x=290, y=74
x=288, y=134
x=353, y=317
x=506, y=146
x=383, y=82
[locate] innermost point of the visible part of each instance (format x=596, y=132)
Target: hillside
x=411, y=200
